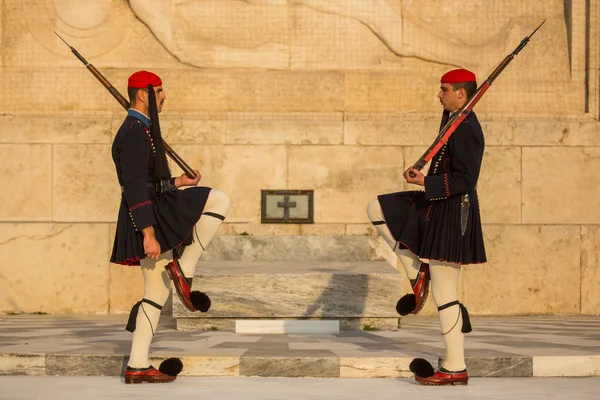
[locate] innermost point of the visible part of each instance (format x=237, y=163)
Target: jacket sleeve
x=134, y=160
x=460, y=178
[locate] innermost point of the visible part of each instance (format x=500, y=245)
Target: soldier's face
x=448, y=97
x=160, y=97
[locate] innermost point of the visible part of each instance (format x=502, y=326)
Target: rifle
x=449, y=126
x=125, y=103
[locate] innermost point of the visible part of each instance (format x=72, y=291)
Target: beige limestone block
x=65, y=270
x=125, y=282
x=499, y=185
x=100, y=30
x=586, y=134
x=193, y=90
x=296, y=91
x=56, y=91
x=594, y=60
x=258, y=229
x=208, y=159
x=27, y=170
x=187, y=90
x=241, y=172
x=27, y=128
x=285, y=128
x=323, y=229
x=410, y=129
x=94, y=27
x=560, y=185
x=345, y=184
x=85, y=186
x=539, y=131
x=387, y=92
x=361, y=230
x=590, y=270
x=1, y=29
x=327, y=38
x=2, y=85
x=216, y=34
x=127, y=55
x=247, y=170
x=530, y=270
x=183, y=129
x=398, y=130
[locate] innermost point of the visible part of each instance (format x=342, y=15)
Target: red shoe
x=149, y=375
x=183, y=285
x=421, y=288
x=444, y=377
x=192, y=300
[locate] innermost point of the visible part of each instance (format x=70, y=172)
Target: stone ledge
x=98, y=345
x=295, y=290
x=346, y=324
x=296, y=365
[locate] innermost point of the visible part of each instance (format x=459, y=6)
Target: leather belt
x=165, y=185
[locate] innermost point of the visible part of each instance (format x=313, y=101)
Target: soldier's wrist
x=148, y=231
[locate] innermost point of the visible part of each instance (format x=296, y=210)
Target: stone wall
x=333, y=96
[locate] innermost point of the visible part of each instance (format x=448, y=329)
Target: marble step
x=88, y=345
x=358, y=294
x=270, y=326
x=298, y=248
x=280, y=364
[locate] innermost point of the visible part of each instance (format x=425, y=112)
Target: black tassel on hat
x=161, y=170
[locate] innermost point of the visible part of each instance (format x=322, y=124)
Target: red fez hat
x=458, y=76
x=142, y=79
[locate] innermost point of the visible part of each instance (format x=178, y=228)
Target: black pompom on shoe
x=406, y=304
x=171, y=366
x=200, y=300
x=421, y=368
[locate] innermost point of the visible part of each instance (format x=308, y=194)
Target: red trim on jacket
x=138, y=205
x=446, y=184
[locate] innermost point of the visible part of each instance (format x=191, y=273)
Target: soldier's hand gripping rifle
x=189, y=172
x=449, y=126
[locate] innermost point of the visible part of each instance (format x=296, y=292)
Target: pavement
x=507, y=347
x=97, y=387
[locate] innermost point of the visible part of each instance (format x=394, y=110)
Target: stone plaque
x=287, y=206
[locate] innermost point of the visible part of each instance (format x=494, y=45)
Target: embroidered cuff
x=142, y=216
x=140, y=204
x=436, y=187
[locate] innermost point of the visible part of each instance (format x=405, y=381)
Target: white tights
x=157, y=284
x=217, y=204
x=444, y=288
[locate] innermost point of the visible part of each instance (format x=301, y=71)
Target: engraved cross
x=286, y=204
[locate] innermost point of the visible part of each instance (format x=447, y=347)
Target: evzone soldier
x=436, y=231
x=156, y=218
